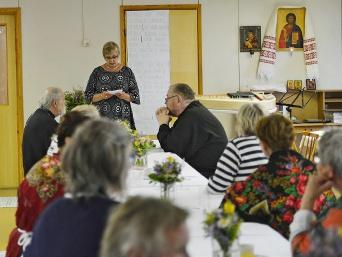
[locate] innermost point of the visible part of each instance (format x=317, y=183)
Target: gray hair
x=87, y=110
x=184, y=90
x=140, y=225
x=247, y=119
x=96, y=160
x=330, y=150
x=51, y=94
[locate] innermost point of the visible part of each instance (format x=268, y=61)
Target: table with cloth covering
x=192, y=195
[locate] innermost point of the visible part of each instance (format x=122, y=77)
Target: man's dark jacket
x=197, y=136
x=37, y=136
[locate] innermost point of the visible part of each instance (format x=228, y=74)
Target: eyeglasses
x=111, y=57
x=168, y=98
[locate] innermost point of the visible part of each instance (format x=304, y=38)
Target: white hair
x=51, y=94
x=330, y=150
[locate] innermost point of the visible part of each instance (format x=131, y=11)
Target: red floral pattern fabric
x=281, y=183
x=43, y=184
x=302, y=243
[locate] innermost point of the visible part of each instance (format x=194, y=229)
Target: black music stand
x=293, y=95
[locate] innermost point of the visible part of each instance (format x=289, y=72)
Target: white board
x=148, y=45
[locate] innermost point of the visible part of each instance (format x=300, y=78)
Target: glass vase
x=166, y=191
x=218, y=251
x=140, y=162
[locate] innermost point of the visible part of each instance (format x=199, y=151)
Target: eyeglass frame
x=111, y=57
x=168, y=98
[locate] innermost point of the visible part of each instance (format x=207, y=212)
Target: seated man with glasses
x=197, y=135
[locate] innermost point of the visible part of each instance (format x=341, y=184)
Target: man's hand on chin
x=162, y=115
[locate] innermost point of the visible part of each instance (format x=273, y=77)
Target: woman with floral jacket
x=273, y=193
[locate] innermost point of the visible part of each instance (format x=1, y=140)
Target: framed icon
x=250, y=38
x=290, y=28
x=290, y=85
x=298, y=84
x=310, y=84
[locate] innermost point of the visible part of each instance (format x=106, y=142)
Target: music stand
x=295, y=94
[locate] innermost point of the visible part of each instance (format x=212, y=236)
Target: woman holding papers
x=112, y=87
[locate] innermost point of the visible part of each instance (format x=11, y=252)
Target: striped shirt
x=241, y=157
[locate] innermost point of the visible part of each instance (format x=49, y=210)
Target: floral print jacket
x=280, y=185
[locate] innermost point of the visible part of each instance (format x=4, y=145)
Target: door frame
x=195, y=7
x=16, y=12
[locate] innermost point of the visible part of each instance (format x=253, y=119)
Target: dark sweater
x=197, y=136
x=69, y=228
x=37, y=136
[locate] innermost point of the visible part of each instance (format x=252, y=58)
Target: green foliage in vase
x=141, y=144
x=166, y=172
x=74, y=98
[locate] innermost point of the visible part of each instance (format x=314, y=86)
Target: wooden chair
x=307, y=144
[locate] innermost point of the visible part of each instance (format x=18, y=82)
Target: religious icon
x=250, y=38
x=290, y=85
x=298, y=84
x=310, y=84
x=290, y=28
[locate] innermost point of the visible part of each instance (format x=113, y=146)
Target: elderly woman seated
x=95, y=163
x=273, y=193
x=43, y=184
x=242, y=155
x=304, y=228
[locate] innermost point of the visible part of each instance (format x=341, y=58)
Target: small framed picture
x=290, y=85
x=298, y=84
x=310, y=84
x=250, y=38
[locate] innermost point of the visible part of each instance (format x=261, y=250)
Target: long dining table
x=192, y=195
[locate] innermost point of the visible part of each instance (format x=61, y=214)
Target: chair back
x=308, y=142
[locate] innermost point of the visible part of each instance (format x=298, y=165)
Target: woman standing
x=112, y=87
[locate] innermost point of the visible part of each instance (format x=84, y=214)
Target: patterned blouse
x=273, y=193
x=114, y=108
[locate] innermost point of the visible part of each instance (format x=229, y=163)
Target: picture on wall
x=290, y=28
x=310, y=84
x=250, y=38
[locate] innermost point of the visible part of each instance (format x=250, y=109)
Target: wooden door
x=11, y=110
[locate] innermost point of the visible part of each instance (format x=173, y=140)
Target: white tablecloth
x=192, y=195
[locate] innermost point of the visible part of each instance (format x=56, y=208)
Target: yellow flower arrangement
x=141, y=144
x=223, y=225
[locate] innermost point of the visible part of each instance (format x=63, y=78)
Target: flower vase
x=218, y=251
x=166, y=191
x=140, y=162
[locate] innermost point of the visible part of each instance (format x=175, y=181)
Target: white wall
x=326, y=19
x=53, y=54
